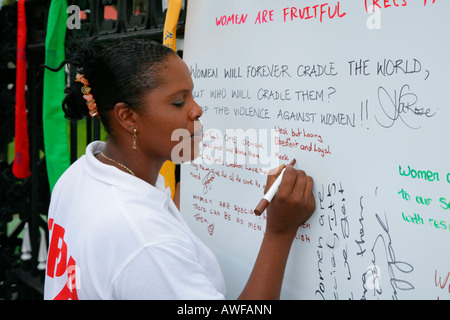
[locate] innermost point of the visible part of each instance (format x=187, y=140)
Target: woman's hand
x=293, y=204
x=291, y=207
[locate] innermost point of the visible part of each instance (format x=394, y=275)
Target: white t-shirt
x=114, y=236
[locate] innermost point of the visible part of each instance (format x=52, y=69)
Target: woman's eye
x=178, y=103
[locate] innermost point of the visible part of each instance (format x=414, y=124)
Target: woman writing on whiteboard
x=115, y=232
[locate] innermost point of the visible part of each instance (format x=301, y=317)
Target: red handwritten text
x=318, y=11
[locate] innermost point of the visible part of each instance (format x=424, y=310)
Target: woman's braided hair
x=121, y=72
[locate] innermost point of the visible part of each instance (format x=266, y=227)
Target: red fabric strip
x=21, y=164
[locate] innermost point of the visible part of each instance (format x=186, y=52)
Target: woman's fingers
x=273, y=175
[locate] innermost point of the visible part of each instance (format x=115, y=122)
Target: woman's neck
x=135, y=161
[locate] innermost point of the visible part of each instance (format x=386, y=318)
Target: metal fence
x=24, y=202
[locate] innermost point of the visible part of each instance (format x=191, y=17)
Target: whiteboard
x=358, y=94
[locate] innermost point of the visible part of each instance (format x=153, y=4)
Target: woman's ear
x=126, y=117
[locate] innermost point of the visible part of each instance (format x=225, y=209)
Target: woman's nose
x=195, y=112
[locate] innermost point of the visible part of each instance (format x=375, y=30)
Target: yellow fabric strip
x=169, y=40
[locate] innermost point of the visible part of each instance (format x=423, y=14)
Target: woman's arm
x=292, y=206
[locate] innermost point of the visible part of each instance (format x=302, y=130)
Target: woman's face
x=170, y=110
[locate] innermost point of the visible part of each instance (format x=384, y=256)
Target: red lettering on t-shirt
x=69, y=291
x=57, y=258
x=57, y=251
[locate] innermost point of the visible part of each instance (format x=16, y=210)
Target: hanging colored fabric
x=21, y=163
x=56, y=137
x=169, y=40
x=170, y=26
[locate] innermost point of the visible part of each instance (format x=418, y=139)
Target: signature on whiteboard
x=383, y=251
x=401, y=105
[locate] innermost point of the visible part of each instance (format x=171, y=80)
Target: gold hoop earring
x=134, y=139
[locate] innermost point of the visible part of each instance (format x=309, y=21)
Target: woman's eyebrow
x=179, y=91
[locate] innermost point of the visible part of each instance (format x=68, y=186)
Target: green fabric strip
x=56, y=140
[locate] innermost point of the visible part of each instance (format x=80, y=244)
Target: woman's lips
x=197, y=135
